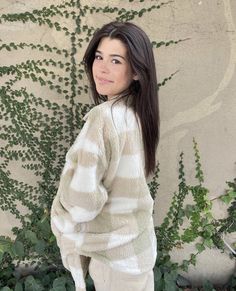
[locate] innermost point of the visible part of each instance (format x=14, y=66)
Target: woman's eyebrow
x=112, y=55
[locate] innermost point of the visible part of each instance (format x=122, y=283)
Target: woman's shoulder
x=115, y=116
x=105, y=110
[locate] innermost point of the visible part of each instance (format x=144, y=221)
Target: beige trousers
x=107, y=279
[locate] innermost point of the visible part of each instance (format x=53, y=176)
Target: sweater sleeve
x=81, y=191
x=81, y=194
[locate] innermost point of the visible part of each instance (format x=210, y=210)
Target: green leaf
x=185, y=265
x=45, y=228
x=31, y=236
x=209, y=243
x=189, y=209
x=6, y=289
x=5, y=244
x=232, y=194
x=40, y=247
x=157, y=274
x=18, y=248
x=181, y=213
x=182, y=282
x=18, y=287
x=170, y=281
x=207, y=286
x=200, y=247
x=1, y=257
x=171, y=276
x=193, y=259
x=59, y=284
x=159, y=285
x=226, y=199
x=32, y=285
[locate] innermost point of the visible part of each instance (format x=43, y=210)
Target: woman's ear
x=135, y=77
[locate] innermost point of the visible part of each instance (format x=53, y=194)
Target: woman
x=102, y=213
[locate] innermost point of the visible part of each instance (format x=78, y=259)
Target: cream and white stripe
x=103, y=208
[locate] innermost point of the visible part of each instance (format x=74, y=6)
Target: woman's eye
x=97, y=57
x=114, y=61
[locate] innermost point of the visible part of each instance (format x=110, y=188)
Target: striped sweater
x=103, y=207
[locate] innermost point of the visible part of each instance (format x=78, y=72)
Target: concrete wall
x=198, y=102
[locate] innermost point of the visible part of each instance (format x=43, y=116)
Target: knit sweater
x=103, y=207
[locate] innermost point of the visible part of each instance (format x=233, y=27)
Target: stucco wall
x=198, y=102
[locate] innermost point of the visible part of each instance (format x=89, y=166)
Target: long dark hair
x=142, y=93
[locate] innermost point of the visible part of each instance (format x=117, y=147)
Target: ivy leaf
x=171, y=276
x=5, y=244
x=157, y=274
x=18, y=287
x=59, y=284
x=207, y=286
x=32, y=285
x=40, y=247
x=232, y=194
x=180, y=213
x=170, y=281
x=189, y=210
x=226, y=199
x=140, y=13
x=209, y=243
x=200, y=247
x=193, y=259
x=45, y=227
x=185, y=265
x=160, y=285
x=18, y=248
x=6, y=289
x=31, y=236
x=42, y=82
x=182, y=282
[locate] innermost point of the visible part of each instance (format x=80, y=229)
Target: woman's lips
x=103, y=80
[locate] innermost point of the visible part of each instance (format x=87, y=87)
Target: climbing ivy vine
x=35, y=134
x=188, y=223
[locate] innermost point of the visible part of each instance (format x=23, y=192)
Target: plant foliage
x=191, y=223
x=35, y=134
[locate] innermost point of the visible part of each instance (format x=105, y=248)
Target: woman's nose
x=104, y=66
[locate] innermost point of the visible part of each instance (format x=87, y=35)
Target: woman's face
x=112, y=72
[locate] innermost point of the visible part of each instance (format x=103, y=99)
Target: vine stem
x=228, y=246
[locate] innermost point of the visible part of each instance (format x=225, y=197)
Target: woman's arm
x=81, y=194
